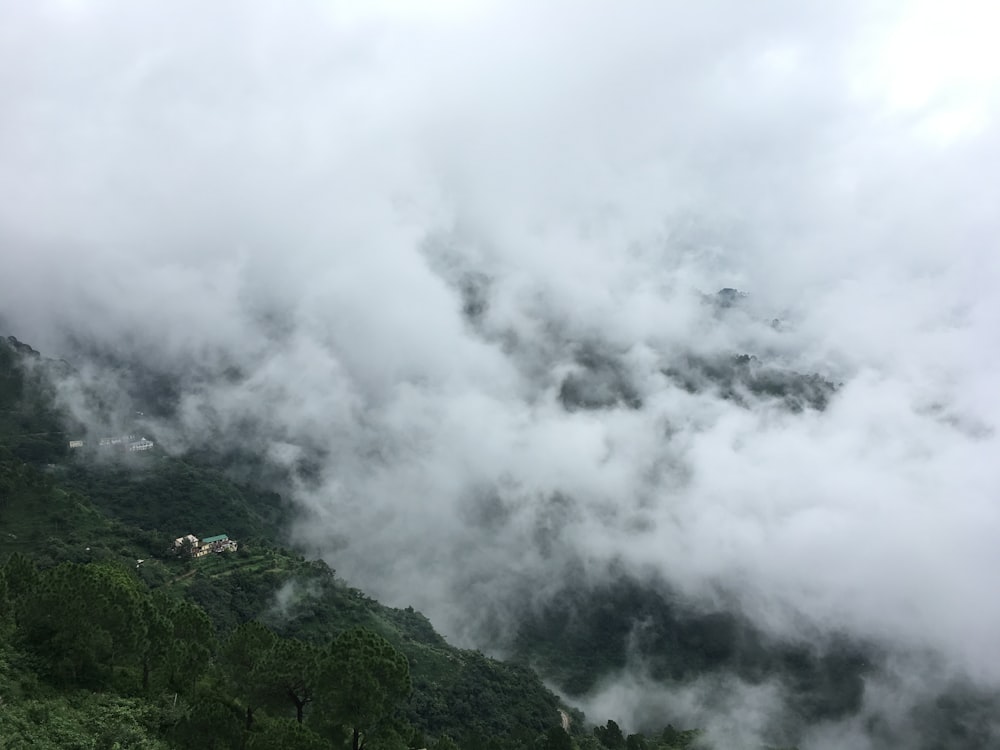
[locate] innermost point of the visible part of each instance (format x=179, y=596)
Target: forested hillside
x=112, y=637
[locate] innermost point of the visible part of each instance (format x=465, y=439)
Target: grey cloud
x=381, y=247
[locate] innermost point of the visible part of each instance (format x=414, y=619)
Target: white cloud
x=302, y=195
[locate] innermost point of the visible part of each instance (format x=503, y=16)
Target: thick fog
x=456, y=252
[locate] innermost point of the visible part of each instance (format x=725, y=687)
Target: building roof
x=219, y=538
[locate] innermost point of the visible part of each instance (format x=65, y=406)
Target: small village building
x=73, y=444
x=140, y=445
x=202, y=547
x=219, y=543
x=122, y=441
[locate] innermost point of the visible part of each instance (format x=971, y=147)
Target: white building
x=195, y=543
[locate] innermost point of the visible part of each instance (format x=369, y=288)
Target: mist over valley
x=653, y=349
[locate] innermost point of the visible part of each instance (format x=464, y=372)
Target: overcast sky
x=303, y=190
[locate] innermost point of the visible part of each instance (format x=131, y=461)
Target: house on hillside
x=131, y=443
x=117, y=441
x=219, y=543
x=202, y=547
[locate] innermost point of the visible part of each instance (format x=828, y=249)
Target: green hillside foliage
x=109, y=639
x=31, y=428
x=85, y=615
x=176, y=495
x=600, y=628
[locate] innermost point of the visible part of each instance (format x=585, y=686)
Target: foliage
x=365, y=679
x=81, y=620
x=31, y=427
x=585, y=633
x=743, y=377
x=108, y=641
x=81, y=721
x=178, y=496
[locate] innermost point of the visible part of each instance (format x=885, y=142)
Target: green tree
x=610, y=736
x=285, y=734
x=556, y=739
x=157, y=644
x=210, y=721
x=244, y=652
x=192, y=644
x=21, y=575
x=185, y=551
x=83, y=620
x=289, y=674
x=678, y=739
x=6, y=609
x=364, y=680
x=588, y=742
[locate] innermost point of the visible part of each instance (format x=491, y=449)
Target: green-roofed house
x=217, y=543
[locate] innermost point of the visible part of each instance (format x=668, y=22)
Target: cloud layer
x=399, y=233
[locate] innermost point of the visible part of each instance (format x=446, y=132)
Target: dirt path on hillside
x=183, y=576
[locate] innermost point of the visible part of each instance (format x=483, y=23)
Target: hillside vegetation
x=110, y=639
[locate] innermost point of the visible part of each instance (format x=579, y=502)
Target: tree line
x=96, y=627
